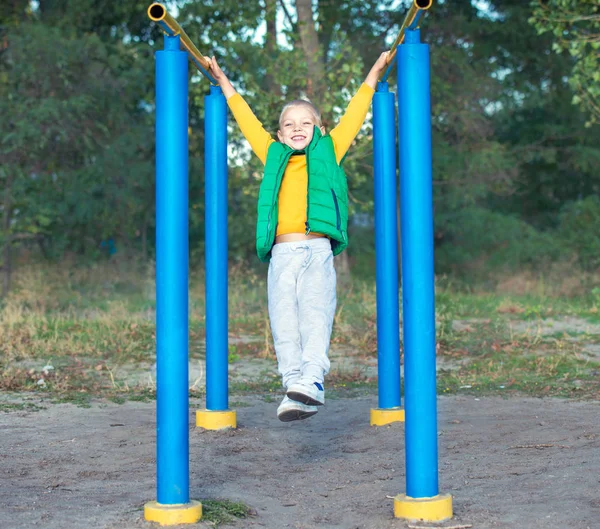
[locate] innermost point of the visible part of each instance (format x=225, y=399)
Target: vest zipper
x=275, y=188
x=338, y=217
x=307, y=191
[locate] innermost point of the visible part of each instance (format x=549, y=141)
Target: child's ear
x=279, y=136
x=322, y=128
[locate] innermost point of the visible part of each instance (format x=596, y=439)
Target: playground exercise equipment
x=411, y=21
x=389, y=408
x=422, y=499
x=173, y=505
x=158, y=13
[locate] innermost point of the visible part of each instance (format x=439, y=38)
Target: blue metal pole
x=172, y=273
x=215, y=155
x=414, y=126
x=386, y=247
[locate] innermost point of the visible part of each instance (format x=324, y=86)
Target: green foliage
x=77, y=160
x=555, y=156
x=76, y=95
x=575, y=26
x=478, y=242
x=54, y=120
x=578, y=230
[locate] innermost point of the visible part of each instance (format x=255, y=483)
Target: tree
x=76, y=96
x=575, y=26
x=554, y=156
x=74, y=149
x=54, y=121
x=325, y=49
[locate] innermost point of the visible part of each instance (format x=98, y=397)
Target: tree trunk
x=6, y=268
x=342, y=268
x=310, y=45
x=398, y=217
x=271, y=42
x=145, y=239
x=314, y=87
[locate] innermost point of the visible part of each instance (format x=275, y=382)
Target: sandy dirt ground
x=508, y=463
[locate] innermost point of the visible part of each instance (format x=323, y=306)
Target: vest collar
x=317, y=135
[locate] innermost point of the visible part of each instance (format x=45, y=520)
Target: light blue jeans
x=302, y=299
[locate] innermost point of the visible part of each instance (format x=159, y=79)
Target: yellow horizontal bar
x=157, y=12
x=415, y=8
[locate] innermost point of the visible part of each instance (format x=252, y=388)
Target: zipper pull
x=307, y=228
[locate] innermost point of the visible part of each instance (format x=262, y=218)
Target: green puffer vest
x=327, y=203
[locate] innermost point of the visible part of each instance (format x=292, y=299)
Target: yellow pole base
x=383, y=416
x=435, y=509
x=173, y=514
x=216, y=420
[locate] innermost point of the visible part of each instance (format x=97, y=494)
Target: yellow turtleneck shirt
x=294, y=187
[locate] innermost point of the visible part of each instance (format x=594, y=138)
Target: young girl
x=302, y=224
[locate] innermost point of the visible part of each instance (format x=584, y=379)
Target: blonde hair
x=301, y=103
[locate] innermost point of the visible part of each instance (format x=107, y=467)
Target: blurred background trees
x=515, y=107
x=575, y=27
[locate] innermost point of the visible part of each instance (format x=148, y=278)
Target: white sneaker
x=291, y=410
x=311, y=394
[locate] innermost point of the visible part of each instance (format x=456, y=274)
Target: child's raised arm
x=252, y=129
x=350, y=123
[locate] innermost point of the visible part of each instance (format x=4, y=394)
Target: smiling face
x=297, y=125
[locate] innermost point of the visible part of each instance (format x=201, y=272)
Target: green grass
x=142, y=395
x=263, y=386
x=223, y=512
x=77, y=398
x=553, y=375
x=239, y=404
x=19, y=406
x=74, y=334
